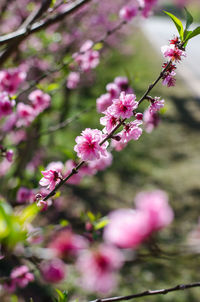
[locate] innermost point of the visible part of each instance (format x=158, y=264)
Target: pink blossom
x=128, y=12
x=147, y=7
x=97, y=268
x=113, y=90
x=53, y=271
x=151, y=120
x=172, y=52
x=55, y=165
x=109, y=120
x=6, y=105
x=51, y=179
x=101, y=163
x=169, y=80
x=11, y=79
x=118, y=145
x=124, y=106
x=155, y=204
x=131, y=131
x=25, y=115
x=24, y=195
x=20, y=276
x=4, y=166
x=9, y=155
x=73, y=80
x=76, y=178
x=40, y=100
x=66, y=244
x=156, y=105
x=10, y=122
x=127, y=228
x=123, y=84
x=103, y=102
x=88, y=145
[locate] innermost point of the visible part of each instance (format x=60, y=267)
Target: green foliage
x=13, y=226
x=185, y=34
x=62, y=296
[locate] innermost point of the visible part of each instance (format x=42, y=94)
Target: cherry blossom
x=25, y=115
x=172, y=52
x=97, y=268
x=124, y=106
x=6, y=105
x=128, y=12
x=73, y=80
x=51, y=179
x=88, y=145
x=39, y=100
x=53, y=271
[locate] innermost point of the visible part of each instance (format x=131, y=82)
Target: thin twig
x=150, y=293
x=76, y=169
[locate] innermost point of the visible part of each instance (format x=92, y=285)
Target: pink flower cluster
x=113, y=91
x=19, y=277
x=175, y=54
x=11, y=79
x=128, y=228
x=87, y=58
x=73, y=80
x=25, y=114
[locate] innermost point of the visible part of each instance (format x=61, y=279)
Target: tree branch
x=149, y=293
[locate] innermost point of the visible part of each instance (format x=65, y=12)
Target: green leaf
x=28, y=214
x=192, y=34
x=98, y=46
x=189, y=19
x=91, y=216
x=62, y=296
x=101, y=224
x=53, y=2
x=177, y=23
x=52, y=86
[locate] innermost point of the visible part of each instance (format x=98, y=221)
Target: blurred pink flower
x=20, y=276
x=103, y=102
x=73, y=80
x=127, y=228
x=11, y=79
x=128, y=12
x=6, y=105
x=76, y=178
x=24, y=195
x=97, y=268
x=155, y=204
x=66, y=244
x=40, y=100
x=53, y=271
x=25, y=115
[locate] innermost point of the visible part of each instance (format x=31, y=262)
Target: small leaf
x=101, y=224
x=53, y=2
x=189, y=19
x=194, y=33
x=28, y=214
x=52, y=86
x=98, y=46
x=91, y=216
x=177, y=23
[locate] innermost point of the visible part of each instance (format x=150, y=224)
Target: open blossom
x=66, y=244
x=97, y=268
x=11, y=79
x=20, y=277
x=147, y=6
x=40, y=100
x=172, y=52
x=88, y=145
x=169, y=80
x=131, y=131
x=6, y=105
x=128, y=12
x=51, y=179
x=127, y=228
x=25, y=115
x=113, y=90
x=53, y=271
x=118, y=145
x=155, y=204
x=103, y=102
x=124, y=106
x=73, y=80
x=156, y=105
x=109, y=120
x=55, y=165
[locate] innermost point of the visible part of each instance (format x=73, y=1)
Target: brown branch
x=76, y=169
x=37, y=26
x=150, y=293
